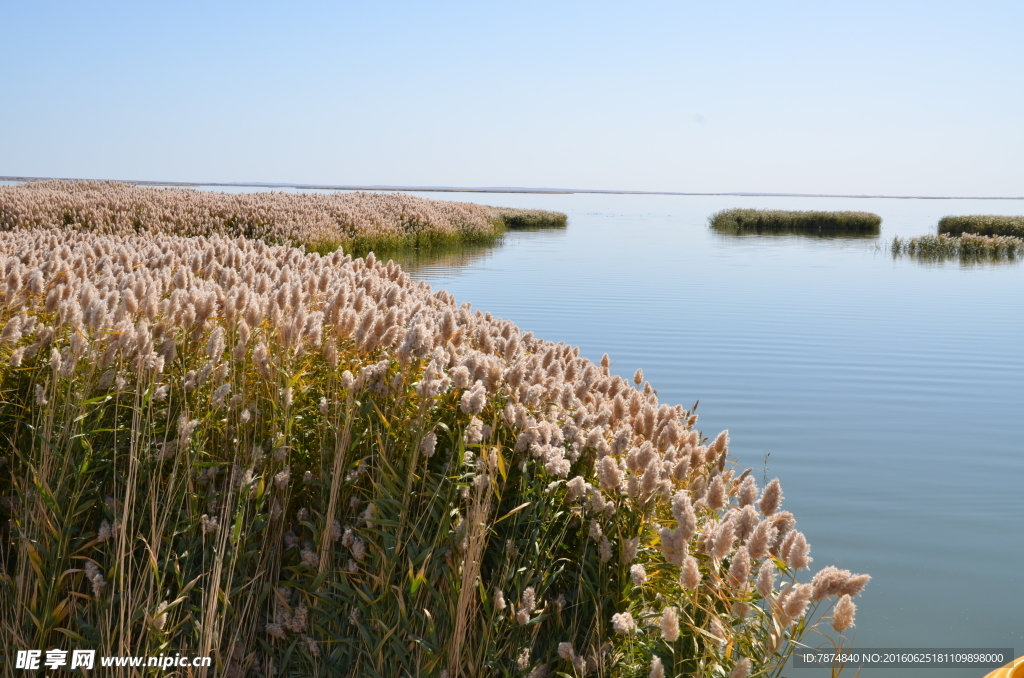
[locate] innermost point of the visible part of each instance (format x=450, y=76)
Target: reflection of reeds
x=312, y=465
x=789, y=222
x=356, y=222
x=967, y=248
x=415, y=260
x=982, y=225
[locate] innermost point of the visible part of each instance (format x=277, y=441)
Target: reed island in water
x=983, y=225
x=967, y=248
x=792, y=222
x=968, y=239
x=308, y=464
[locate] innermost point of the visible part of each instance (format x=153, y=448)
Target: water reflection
x=966, y=260
x=439, y=264
x=417, y=262
x=726, y=232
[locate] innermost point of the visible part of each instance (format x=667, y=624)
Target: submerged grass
x=790, y=222
x=983, y=225
x=307, y=465
x=355, y=222
x=967, y=248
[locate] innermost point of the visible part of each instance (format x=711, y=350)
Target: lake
x=886, y=394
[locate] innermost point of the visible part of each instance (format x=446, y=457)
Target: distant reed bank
x=968, y=247
x=983, y=225
x=311, y=465
x=517, y=218
x=355, y=222
x=753, y=221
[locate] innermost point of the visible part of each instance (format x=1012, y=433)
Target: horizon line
x=508, y=189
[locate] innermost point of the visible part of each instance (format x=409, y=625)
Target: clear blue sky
x=883, y=97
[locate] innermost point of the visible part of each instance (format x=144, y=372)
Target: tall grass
x=967, y=248
x=982, y=225
x=829, y=224
x=310, y=465
x=355, y=222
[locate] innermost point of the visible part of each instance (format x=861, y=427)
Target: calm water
x=889, y=394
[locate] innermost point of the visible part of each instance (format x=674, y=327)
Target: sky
x=896, y=98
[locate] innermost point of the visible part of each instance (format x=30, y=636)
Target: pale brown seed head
x=843, y=615
x=766, y=579
x=771, y=498
x=690, y=577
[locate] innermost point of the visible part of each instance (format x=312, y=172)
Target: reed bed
x=966, y=248
x=309, y=465
x=789, y=222
x=983, y=225
x=526, y=219
x=355, y=222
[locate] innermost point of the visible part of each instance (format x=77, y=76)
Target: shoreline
x=507, y=189
x=358, y=223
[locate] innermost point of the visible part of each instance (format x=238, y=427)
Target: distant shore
x=510, y=189
x=358, y=221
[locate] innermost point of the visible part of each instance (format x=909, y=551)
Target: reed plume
x=842, y=617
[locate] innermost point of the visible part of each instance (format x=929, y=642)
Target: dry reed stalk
x=337, y=470
x=476, y=535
